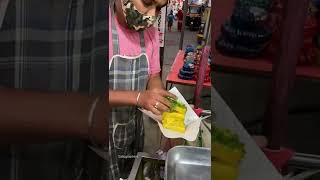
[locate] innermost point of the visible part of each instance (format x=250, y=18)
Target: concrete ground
x=172, y=41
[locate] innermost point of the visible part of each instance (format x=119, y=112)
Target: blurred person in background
x=180, y=19
x=171, y=18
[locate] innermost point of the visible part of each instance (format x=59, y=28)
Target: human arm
x=147, y=99
x=155, y=82
x=123, y=98
x=40, y=116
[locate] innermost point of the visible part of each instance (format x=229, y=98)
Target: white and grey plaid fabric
x=126, y=132
x=54, y=45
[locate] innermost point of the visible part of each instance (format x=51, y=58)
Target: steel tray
x=186, y=162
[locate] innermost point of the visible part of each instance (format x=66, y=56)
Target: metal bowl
x=186, y=162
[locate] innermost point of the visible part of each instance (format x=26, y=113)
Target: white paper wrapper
x=192, y=121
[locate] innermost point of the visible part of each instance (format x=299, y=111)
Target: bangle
x=92, y=117
x=138, y=98
x=100, y=151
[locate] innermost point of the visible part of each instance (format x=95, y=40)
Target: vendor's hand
x=154, y=100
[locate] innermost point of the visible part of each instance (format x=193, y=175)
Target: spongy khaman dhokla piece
x=174, y=120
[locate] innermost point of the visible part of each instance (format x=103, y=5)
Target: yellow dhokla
x=174, y=120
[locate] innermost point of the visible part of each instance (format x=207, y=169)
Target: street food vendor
x=134, y=78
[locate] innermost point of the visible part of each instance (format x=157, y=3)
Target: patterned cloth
x=126, y=132
x=54, y=46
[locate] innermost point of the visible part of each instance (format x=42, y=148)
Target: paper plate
x=192, y=121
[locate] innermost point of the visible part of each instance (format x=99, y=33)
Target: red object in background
x=173, y=78
x=180, y=18
x=207, y=77
x=310, y=28
x=279, y=158
x=308, y=56
x=201, y=75
x=308, y=51
x=198, y=111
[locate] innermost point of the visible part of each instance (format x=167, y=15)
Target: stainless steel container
x=186, y=162
x=140, y=163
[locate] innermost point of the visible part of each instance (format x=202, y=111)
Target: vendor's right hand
x=155, y=100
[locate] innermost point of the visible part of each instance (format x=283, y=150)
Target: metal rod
x=185, y=10
x=305, y=160
x=164, y=41
x=208, y=31
x=161, y=60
